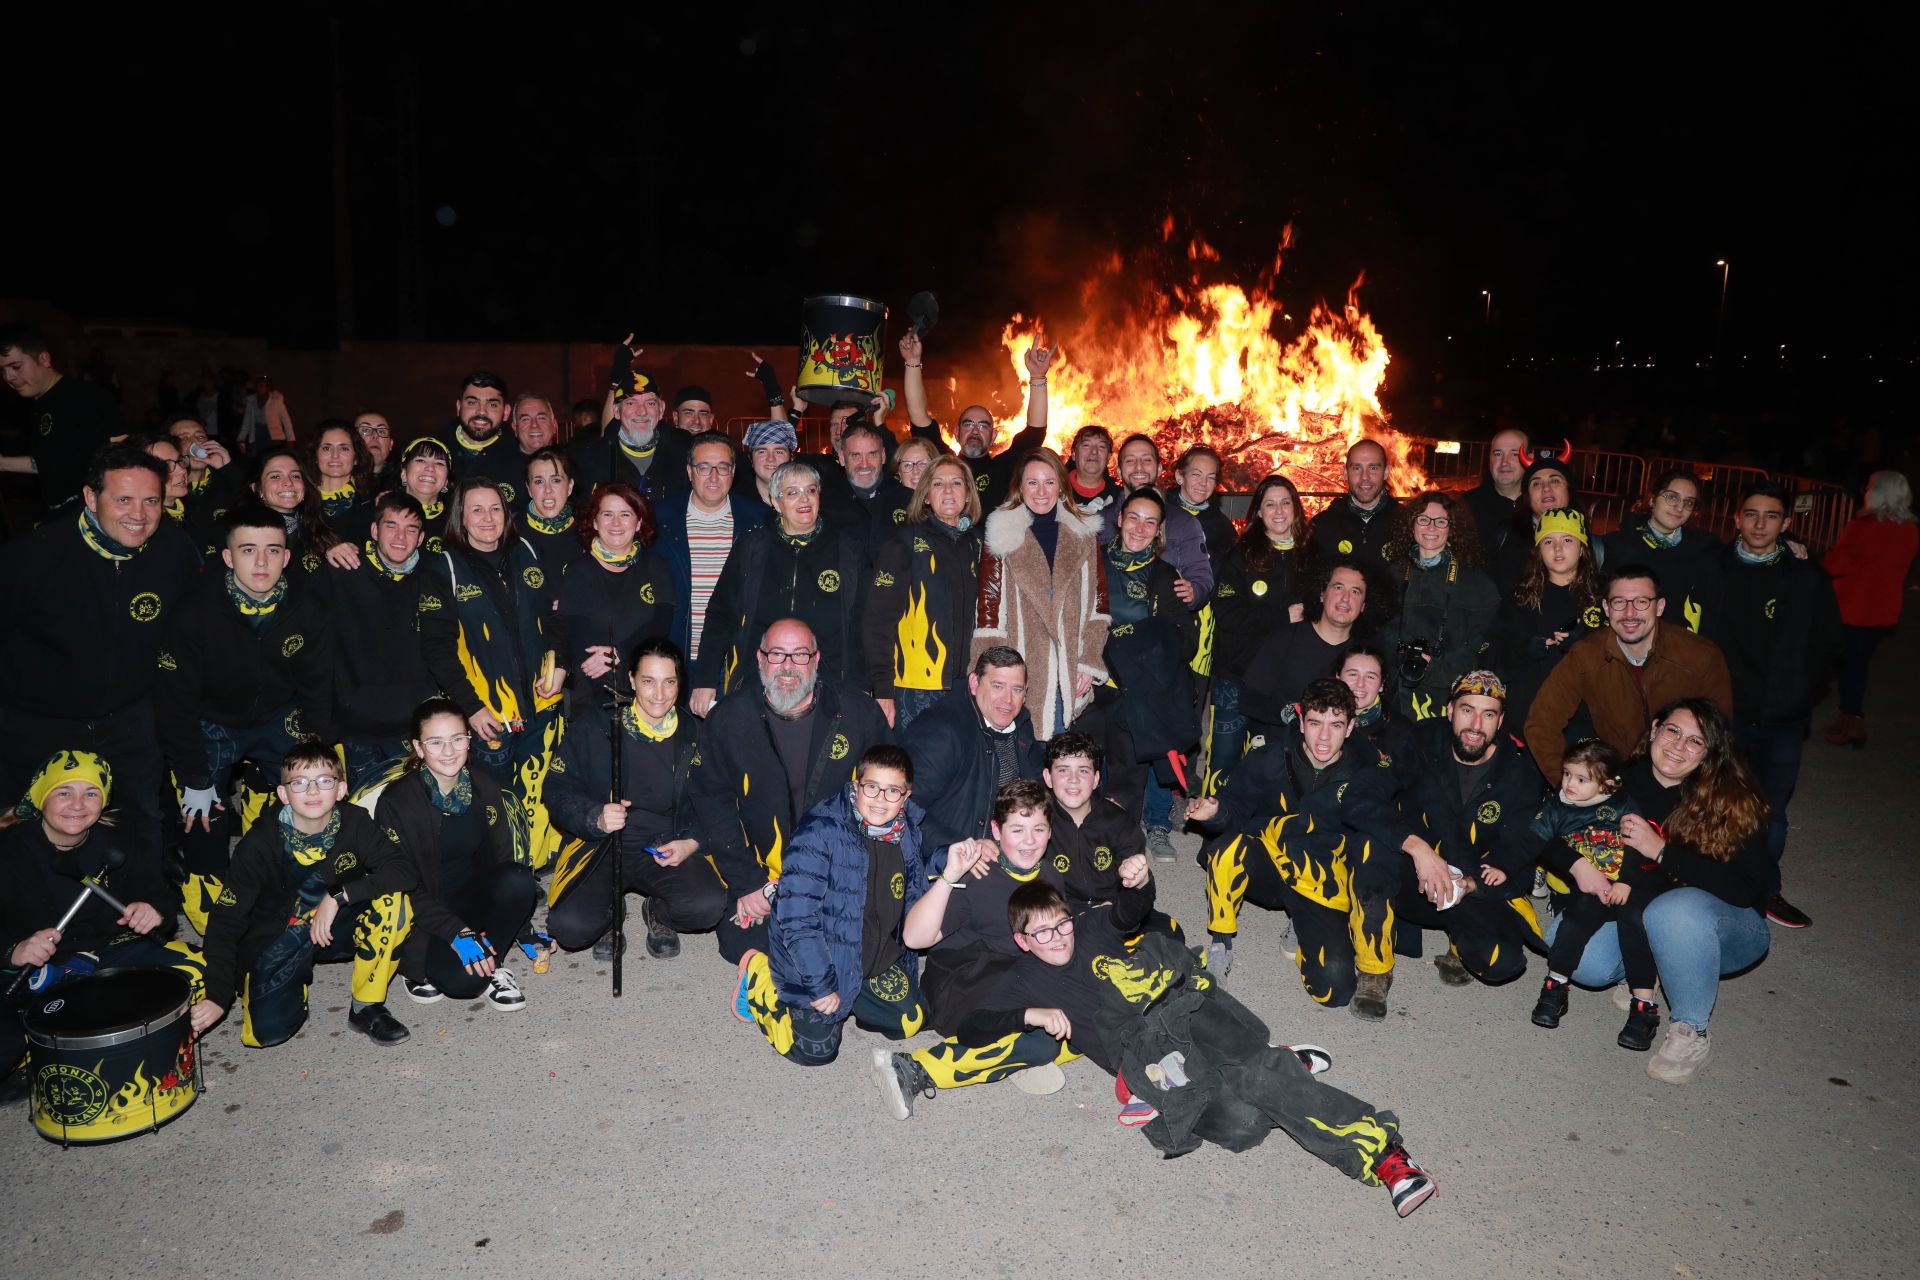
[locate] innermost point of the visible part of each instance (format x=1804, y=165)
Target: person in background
x=1361, y=525
x=551, y=526
x=770, y=445
x=342, y=471
x=1094, y=490
x=1869, y=566
x=975, y=431
x=425, y=467
x=911, y=460
x=70, y=417
x=1447, y=601
x=1493, y=501
x=1661, y=538
x=376, y=433
x=698, y=531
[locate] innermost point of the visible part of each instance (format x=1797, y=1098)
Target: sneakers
x=1622, y=997
x=662, y=942
x=423, y=992
x=504, y=994
x=1041, y=1080
x=900, y=1078
x=741, y=1008
x=377, y=1025
x=1684, y=1055
x=1160, y=844
x=1643, y=1019
x=1138, y=1112
x=1408, y=1184
x=1552, y=1004
x=603, y=949
x=1316, y=1060
x=1785, y=914
x=1452, y=971
x=1219, y=957
x=1539, y=882
x=1289, y=944
x=1370, y=996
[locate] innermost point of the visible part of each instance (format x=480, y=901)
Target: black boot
x=662, y=942
x=377, y=1025
x=1552, y=1004
x=1643, y=1019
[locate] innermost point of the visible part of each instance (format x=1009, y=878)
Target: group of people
x=904, y=726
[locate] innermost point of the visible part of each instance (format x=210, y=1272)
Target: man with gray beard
x=787, y=727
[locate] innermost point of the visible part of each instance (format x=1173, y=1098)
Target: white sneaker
x=423, y=992
x=1041, y=1080
x=1289, y=944
x=503, y=993
x=1219, y=956
x=1539, y=883
x=1683, y=1056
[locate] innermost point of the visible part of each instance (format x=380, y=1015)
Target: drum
x=840, y=348
x=113, y=1055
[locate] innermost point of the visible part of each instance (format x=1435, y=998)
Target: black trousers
x=498, y=902
x=126, y=740
x=1582, y=914
x=688, y=898
x=1486, y=927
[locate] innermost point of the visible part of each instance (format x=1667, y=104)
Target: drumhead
x=107, y=1008
x=842, y=300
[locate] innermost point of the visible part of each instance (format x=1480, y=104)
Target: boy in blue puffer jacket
x=854, y=868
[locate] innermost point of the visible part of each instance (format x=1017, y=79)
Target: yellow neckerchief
x=308, y=847
x=247, y=605
x=433, y=509
x=1016, y=873
x=344, y=491
x=197, y=484
x=561, y=525
x=471, y=445
x=1280, y=544
x=96, y=538
x=637, y=725
x=1113, y=558
x=177, y=510
x=632, y=452
x=613, y=561
x=381, y=567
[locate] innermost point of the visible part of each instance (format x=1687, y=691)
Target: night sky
x=691, y=178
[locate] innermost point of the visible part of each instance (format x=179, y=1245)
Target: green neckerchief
x=1022, y=874
x=257, y=612
x=798, y=539
x=387, y=571
x=302, y=847
x=454, y=803
x=1370, y=714
x=1747, y=557
x=614, y=560
x=1661, y=541
x=1190, y=508
x=559, y=524
x=103, y=546
x=1116, y=557
x=339, y=501
x=471, y=445
x=637, y=726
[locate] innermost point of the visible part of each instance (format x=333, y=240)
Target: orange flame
x=1200, y=363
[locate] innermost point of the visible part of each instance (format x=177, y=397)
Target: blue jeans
x=1774, y=751
x=1159, y=803
x=1697, y=939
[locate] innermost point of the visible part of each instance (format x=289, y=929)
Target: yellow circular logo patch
x=1490, y=812
x=829, y=580
x=144, y=607
x=1591, y=618
x=69, y=1095
x=899, y=886
x=532, y=576
x=1259, y=586
x=292, y=645
x=646, y=592
x=1102, y=858
x=840, y=747
x=1062, y=863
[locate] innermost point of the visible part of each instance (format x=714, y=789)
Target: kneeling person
x=472, y=892
x=854, y=869
x=321, y=882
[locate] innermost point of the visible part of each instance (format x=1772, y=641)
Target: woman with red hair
x=620, y=594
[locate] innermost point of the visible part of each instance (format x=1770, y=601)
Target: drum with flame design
x=840, y=348
x=113, y=1055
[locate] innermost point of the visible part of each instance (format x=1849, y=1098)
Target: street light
x=1488, y=295
x=1720, y=332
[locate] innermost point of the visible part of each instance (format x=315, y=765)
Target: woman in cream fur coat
x=1043, y=590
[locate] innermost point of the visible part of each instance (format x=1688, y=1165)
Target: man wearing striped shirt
x=697, y=531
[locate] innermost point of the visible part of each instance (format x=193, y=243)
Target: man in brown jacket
x=1625, y=673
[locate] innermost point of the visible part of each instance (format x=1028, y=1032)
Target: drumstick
x=87, y=888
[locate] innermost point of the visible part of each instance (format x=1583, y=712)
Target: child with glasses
x=853, y=870
x=1197, y=1060
x=318, y=881
x=1585, y=814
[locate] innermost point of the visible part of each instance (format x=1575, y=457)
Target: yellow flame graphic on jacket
x=496, y=695
x=921, y=655
x=1138, y=985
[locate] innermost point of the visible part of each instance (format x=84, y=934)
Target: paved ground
x=656, y=1136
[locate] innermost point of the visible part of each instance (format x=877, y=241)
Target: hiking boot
x=1785, y=914
x=1643, y=1019
x=1408, y=1184
x=1219, y=958
x=504, y=994
x=1452, y=971
x=1370, y=996
x=603, y=949
x=1552, y=1004
x=1160, y=844
x=900, y=1078
x=1683, y=1055
x=377, y=1025
x=423, y=992
x=1041, y=1080
x=662, y=943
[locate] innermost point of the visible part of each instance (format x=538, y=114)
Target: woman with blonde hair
x=1869, y=569
x=1043, y=591
x=918, y=628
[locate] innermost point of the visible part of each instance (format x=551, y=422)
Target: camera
x=1415, y=656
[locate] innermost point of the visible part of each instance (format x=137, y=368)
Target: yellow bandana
x=636, y=724
x=62, y=768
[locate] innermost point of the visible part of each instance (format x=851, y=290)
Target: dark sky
x=691, y=178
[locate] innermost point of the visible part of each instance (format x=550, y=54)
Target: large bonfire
x=1200, y=362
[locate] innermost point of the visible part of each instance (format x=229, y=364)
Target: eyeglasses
x=1635, y=604
x=780, y=657
x=1431, y=522
x=874, y=791
x=1689, y=743
x=712, y=468
x=1685, y=504
x=1048, y=932
x=458, y=742
x=384, y=433
x=301, y=786
x=803, y=491
x=976, y=422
